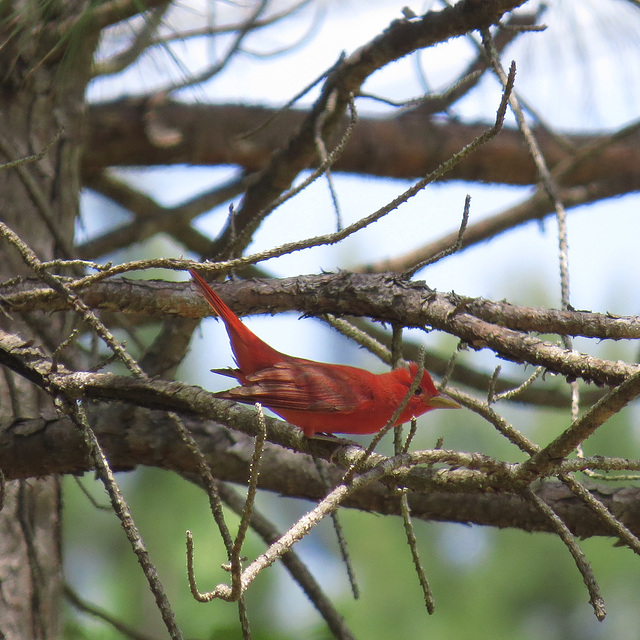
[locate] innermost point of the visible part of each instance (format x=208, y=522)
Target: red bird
x=316, y=396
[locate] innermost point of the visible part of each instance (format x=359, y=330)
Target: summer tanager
x=318, y=397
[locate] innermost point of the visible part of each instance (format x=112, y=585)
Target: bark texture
x=41, y=101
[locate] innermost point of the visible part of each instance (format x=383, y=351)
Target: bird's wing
x=303, y=386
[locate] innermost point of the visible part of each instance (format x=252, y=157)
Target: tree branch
x=131, y=438
x=406, y=146
x=481, y=324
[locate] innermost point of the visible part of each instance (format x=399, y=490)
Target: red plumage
x=318, y=396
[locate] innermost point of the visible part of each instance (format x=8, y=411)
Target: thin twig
x=319, y=171
x=93, y=610
x=299, y=42
x=359, y=336
x=396, y=357
x=139, y=44
x=244, y=618
x=209, y=482
x=400, y=448
x=454, y=248
x=552, y=191
x=77, y=414
x=299, y=572
x=324, y=507
x=34, y=188
x=283, y=109
x=213, y=30
x=89, y=497
x=337, y=527
x=413, y=428
x=218, y=66
x=433, y=102
x=324, y=158
x=415, y=554
x=595, y=598
x=36, y=157
x=512, y=393
x=252, y=487
x=31, y=260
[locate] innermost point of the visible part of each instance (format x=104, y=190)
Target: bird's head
x=425, y=397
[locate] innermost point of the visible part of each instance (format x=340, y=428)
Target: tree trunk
x=43, y=78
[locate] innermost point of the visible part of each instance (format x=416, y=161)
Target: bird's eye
x=418, y=391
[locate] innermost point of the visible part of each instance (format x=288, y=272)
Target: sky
x=590, y=90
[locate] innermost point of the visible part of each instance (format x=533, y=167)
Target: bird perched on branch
x=318, y=397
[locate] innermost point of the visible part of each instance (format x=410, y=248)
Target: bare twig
x=359, y=336
x=218, y=66
x=550, y=187
x=454, y=248
x=76, y=303
x=304, y=524
x=413, y=428
x=36, y=157
x=544, y=461
x=415, y=554
x=208, y=480
x=324, y=160
x=292, y=562
x=547, y=180
x=93, y=610
x=434, y=102
x=294, y=191
x=337, y=527
x=78, y=416
x=34, y=189
x=595, y=598
x=138, y=46
x=254, y=472
x=89, y=497
x=285, y=107
x=299, y=42
x=516, y=391
x=214, y=30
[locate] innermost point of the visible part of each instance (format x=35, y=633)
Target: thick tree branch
x=478, y=322
x=404, y=147
x=319, y=294
x=132, y=437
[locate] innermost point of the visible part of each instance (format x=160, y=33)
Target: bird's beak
x=443, y=402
